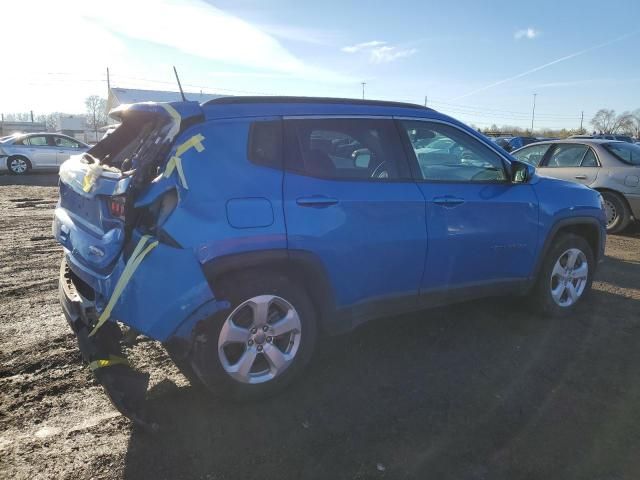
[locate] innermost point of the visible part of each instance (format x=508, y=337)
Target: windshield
x=627, y=152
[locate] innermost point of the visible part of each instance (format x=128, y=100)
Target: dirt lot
x=484, y=390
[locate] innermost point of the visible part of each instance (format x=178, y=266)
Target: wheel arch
x=588, y=228
x=299, y=265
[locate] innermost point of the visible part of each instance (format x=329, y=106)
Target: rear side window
x=567, y=155
x=265, y=143
x=346, y=148
x=590, y=159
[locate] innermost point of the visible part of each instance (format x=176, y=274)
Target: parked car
x=513, y=143
x=611, y=167
x=622, y=138
x=237, y=231
x=37, y=151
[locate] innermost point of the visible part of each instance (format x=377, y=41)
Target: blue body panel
x=372, y=242
x=490, y=236
x=377, y=240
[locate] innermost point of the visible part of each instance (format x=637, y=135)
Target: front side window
x=346, y=148
x=532, y=155
x=38, y=141
x=447, y=154
x=567, y=155
x=627, y=152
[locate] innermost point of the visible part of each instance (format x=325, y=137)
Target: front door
x=482, y=228
x=350, y=200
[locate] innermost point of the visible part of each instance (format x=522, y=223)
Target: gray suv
x=611, y=167
x=37, y=151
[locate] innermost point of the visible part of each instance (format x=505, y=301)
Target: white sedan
x=37, y=151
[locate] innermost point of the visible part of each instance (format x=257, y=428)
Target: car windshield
x=626, y=152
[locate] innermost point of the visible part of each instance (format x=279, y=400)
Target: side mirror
x=361, y=157
x=521, y=172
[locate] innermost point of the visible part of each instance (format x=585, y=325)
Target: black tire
x=183, y=364
x=541, y=298
x=237, y=289
x=621, y=211
x=11, y=161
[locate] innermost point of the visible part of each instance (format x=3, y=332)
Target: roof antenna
x=184, y=99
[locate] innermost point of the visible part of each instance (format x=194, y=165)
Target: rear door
x=349, y=199
x=42, y=151
x=575, y=162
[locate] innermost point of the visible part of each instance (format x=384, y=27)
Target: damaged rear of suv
x=235, y=231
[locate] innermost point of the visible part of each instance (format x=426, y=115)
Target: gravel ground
x=484, y=390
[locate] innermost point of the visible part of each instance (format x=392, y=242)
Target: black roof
x=239, y=100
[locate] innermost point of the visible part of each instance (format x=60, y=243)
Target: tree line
x=96, y=113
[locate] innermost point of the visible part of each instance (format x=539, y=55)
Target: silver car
x=37, y=151
x=611, y=167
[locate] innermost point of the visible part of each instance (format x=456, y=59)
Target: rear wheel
x=18, y=165
x=566, y=276
x=616, y=211
x=262, y=343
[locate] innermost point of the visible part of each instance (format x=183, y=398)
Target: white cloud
x=528, y=33
x=387, y=54
x=362, y=46
x=380, y=52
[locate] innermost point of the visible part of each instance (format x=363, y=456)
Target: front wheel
x=566, y=276
x=18, y=165
x=262, y=343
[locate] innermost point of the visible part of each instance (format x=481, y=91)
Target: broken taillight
x=116, y=206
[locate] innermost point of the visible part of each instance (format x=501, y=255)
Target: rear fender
x=168, y=294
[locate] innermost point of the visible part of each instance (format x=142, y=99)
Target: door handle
x=317, y=201
x=580, y=177
x=448, y=201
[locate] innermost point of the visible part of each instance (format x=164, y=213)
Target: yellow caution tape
x=108, y=362
x=175, y=162
x=141, y=250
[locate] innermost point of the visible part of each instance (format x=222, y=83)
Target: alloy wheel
x=259, y=339
x=18, y=165
x=569, y=277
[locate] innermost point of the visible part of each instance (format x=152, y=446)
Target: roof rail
x=239, y=100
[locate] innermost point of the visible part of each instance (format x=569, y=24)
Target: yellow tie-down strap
x=141, y=251
x=108, y=362
x=175, y=162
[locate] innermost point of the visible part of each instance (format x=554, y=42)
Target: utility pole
x=108, y=81
x=425, y=100
x=581, y=119
x=533, y=112
x=31, y=116
x=363, y=84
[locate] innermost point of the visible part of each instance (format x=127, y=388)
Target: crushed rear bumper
x=125, y=387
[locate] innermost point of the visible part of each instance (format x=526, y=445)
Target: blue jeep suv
x=237, y=231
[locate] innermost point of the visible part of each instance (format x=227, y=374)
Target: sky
x=480, y=62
